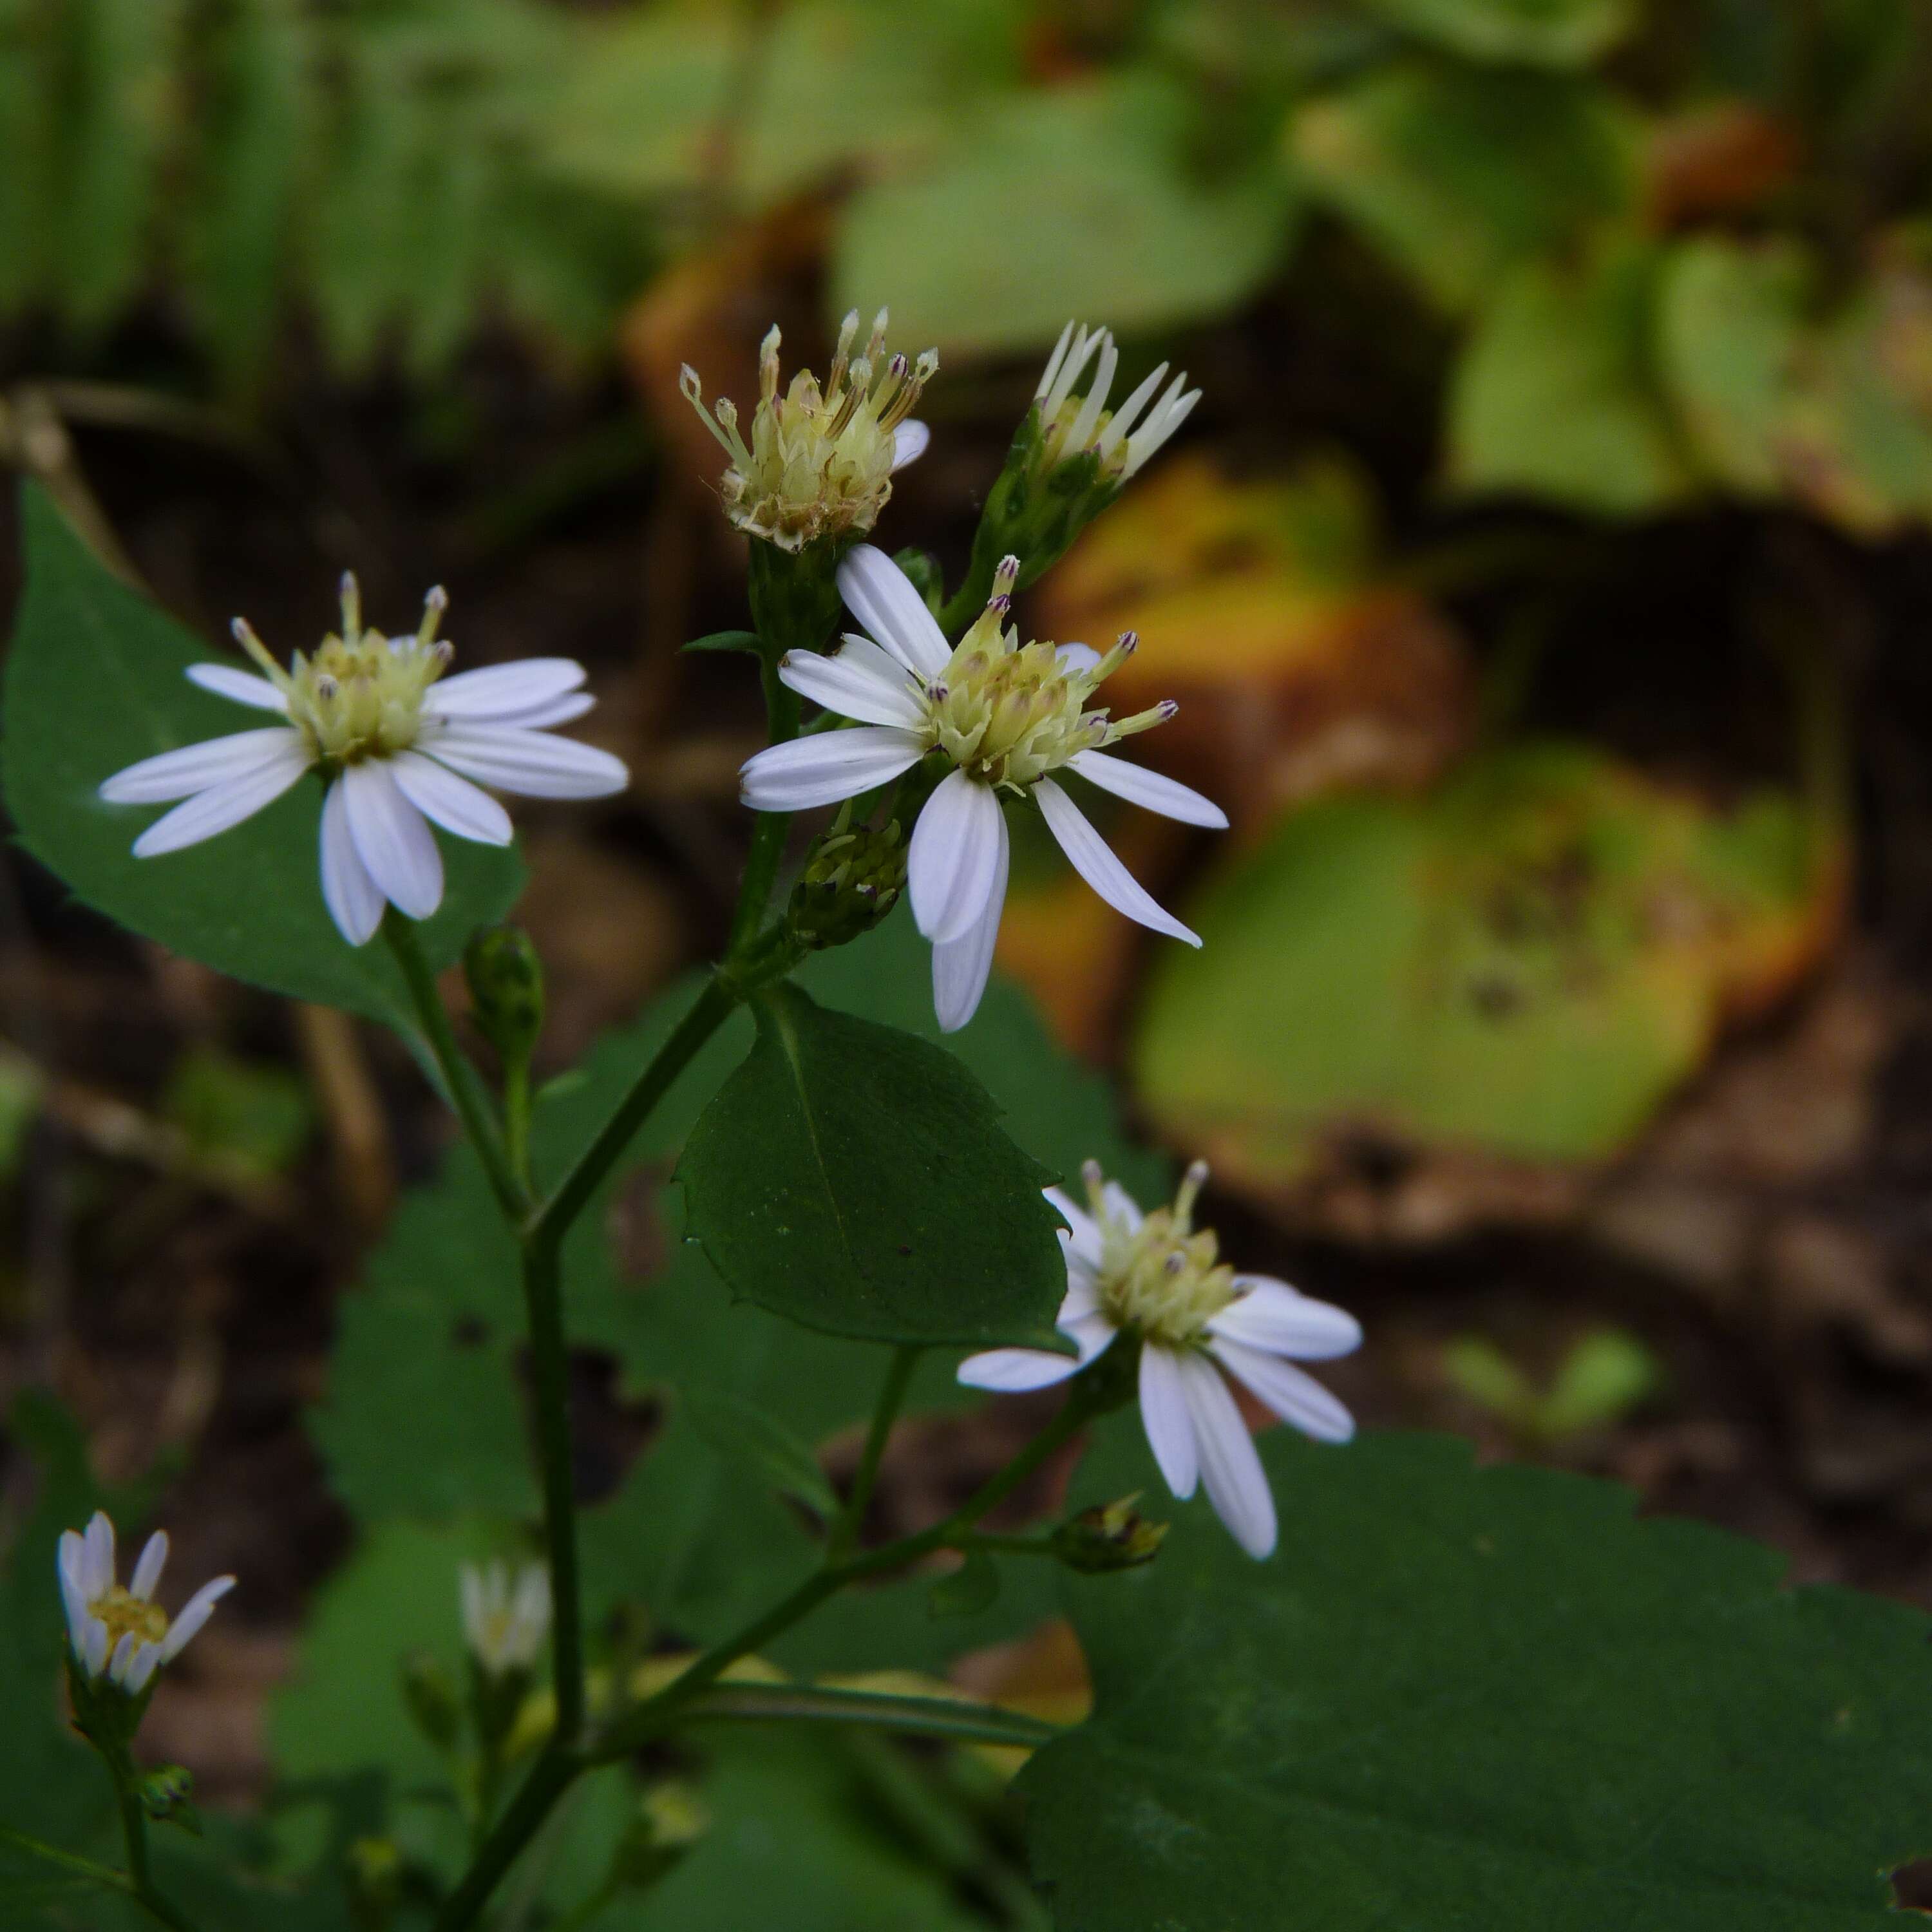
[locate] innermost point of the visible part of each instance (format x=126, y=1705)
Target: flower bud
x=165, y=1798
x=506, y=987
x=1111, y=1536
x=374, y=1874
x=852, y=879
x=669, y=1820
x=431, y=1697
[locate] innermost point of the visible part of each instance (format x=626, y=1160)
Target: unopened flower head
x=1120, y=440
x=1159, y=1279
x=504, y=1624
x=118, y=1632
x=819, y=461
x=1005, y=715
x=397, y=744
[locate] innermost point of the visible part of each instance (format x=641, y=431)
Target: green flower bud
x=852, y=879
x=506, y=986
x=1111, y=1536
x=432, y=1698
x=164, y=1797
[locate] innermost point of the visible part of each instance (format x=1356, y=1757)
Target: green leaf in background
x=1541, y=33
x=1553, y=394
x=854, y=1178
x=1476, y=1698
x=1524, y=962
x=247, y=1118
x=745, y=1432
x=1085, y=199
x=1605, y=1376
x=1458, y=173
x=95, y=679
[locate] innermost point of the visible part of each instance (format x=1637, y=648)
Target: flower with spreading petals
x=398, y=744
x=1156, y=1277
x=1120, y=440
x=118, y=1633
x=504, y=1624
x=821, y=461
x=1006, y=716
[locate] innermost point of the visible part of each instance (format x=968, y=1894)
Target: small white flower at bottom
x=1007, y=716
x=399, y=744
x=505, y=1626
x=123, y=1634
x=1156, y=1276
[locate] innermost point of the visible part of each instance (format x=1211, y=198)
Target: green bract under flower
x=1164, y=1278
x=820, y=461
x=361, y=695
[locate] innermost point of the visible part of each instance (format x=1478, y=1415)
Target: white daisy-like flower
x=1156, y=1277
x=1007, y=716
x=123, y=1634
x=505, y=1625
x=398, y=744
x=821, y=461
x=1121, y=440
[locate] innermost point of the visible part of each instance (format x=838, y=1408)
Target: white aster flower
x=1072, y=425
x=821, y=461
x=505, y=1626
x=1007, y=716
x=121, y=1634
x=1156, y=1277
x=397, y=743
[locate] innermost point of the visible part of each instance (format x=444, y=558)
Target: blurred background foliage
x=1543, y=581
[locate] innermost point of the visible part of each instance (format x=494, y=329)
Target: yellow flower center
x=123, y=1612
x=819, y=460
x=360, y=695
x=1165, y=1280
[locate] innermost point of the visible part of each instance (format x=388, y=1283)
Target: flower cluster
x=119, y=1633
x=399, y=745
x=1157, y=1278
x=1004, y=716
x=821, y=461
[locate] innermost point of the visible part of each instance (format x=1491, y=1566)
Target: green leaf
x=246, y=1118
x=854, y=1178
x=1553, y=396
x=95, y=680
x=967, y=1591
x=1481, y=1698
x=742, y=1431
x=1081, y=199
x=1542, y=33
x=747, y=641
x=1460, y=172
x=1525, y=961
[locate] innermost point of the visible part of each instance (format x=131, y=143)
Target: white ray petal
x=530, y=763
x=194, y=1613
x=850, y=682
x=392, y=838
x=243, y=687
x=1122, y=420
x=499, y=690
x=1230, y=1467
x=891, y=611
x=1010, y=1371
x=123, y=1656
x=94, y=1647
x=1121, y=1207
x=1138, y=785
x=1076, y=659
x=454, y=803
x=961, y=967
x=172, y=775
x=1271, y=1315
x=73, y=1599
x=1084, y=1231
x=1082, y=433
x=141, y=1668
x=1296, y=1397
x=223, y=805
x=97, y=1576
x=1081, y=1301
x=1164, y=1415
x=954, y=861
x=564, y=710
x=1086, y=344
x=1163, y=419
x=1053, y=362
x=354, y=899
x=827, y=766
x=1093, y=859
x=148, y=1571
x=909, y=442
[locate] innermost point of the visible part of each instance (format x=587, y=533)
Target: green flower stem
x=1010, y=1545
x=517, y=1121
x=964, y=1722
x=768, y=834
x=134, y=1826
x=549, y=1370
x=852, y=1519
x=459, y=1075
x=550, y=1777
x=71, y=1862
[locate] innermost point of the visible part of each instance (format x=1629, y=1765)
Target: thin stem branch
x=845, y=1532
x=550, y=1365
x=550, y=1777
x=134, y=1827
x=768, y=833
x=963, y=1721
x=66, y=1861
x=458, y=1072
